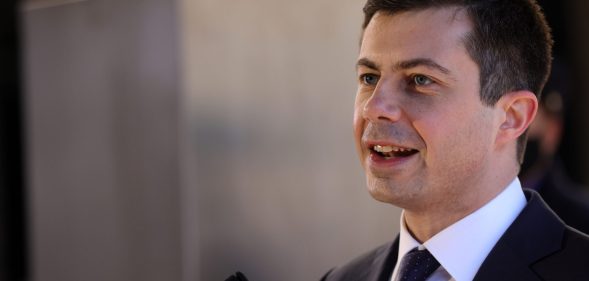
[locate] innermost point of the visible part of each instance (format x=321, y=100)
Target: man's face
x=422, y=133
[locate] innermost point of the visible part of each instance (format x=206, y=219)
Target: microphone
x=238, y=276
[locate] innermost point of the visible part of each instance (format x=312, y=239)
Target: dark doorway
x=13, y=251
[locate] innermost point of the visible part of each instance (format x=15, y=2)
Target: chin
x=396, y=194
x=383, y=193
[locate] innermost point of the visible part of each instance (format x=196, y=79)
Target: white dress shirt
x=462, y=247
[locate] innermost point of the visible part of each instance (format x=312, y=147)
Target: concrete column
x=102, y=125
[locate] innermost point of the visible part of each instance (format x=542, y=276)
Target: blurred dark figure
x=542, y=169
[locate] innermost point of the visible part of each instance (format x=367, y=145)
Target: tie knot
x=417, y=265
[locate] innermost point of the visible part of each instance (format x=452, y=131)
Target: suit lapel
x=384, y=263
x=536, y=233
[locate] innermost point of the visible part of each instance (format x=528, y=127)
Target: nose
x=383, y=104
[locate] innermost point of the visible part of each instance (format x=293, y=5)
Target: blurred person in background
x=542, y=169
x=446, y=92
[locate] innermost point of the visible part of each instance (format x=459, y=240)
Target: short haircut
x=510, y=42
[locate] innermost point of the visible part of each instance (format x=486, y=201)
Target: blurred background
x=188, y=139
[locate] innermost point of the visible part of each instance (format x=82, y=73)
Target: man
x=446, y=92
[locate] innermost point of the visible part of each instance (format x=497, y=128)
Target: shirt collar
x=462, y=247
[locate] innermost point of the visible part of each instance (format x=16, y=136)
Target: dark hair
x=510, y=42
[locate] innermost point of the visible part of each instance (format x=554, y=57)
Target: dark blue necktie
x=417, y=265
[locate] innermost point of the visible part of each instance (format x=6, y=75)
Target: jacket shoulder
x=361, y=267
x=571, y=262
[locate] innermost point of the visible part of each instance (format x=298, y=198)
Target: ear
x=517, y=110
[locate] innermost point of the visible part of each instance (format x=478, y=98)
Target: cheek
x=446, y=131
x=461, y=137
x=358, y=125
x=358, y=121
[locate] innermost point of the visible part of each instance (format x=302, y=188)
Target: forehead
x=430, y=33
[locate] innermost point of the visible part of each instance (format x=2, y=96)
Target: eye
x=422, y=80
x=369, y=79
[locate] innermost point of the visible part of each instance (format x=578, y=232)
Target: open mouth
x=388, y=151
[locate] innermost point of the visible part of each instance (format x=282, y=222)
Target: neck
x=425, y=223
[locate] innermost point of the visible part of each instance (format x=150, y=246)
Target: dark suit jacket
x=537, y=246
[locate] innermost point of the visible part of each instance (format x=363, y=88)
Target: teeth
x=388, y=148
x=383, y=149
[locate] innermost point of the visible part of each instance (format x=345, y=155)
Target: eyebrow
x=408, y=64
x=367, y=63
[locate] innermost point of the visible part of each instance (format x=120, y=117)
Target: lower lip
x=377, y=161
